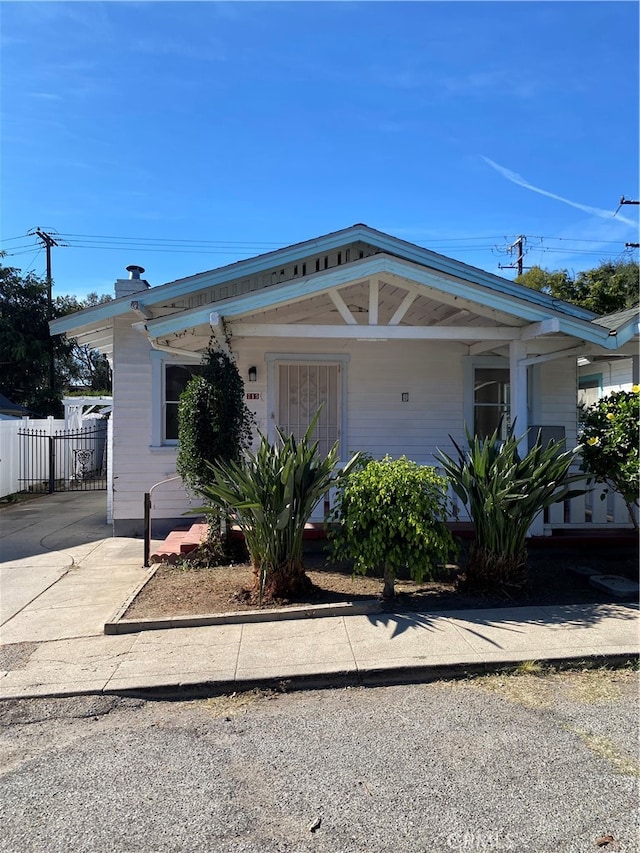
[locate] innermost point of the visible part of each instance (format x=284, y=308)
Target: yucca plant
x=503, y=493
x=271, y=494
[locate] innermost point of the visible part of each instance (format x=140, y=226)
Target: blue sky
x=183, y=136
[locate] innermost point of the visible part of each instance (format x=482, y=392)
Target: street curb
x=117, y=625
x=117, y=616
x=388, y=677
x=393, y=676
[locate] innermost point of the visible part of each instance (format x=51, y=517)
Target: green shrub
x=213, y=420
x=392, y=516
x=503, y=494
x=271, y=495
x=610, y=442
x=214, y=424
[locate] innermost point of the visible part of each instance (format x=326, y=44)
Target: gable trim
x=325, y=281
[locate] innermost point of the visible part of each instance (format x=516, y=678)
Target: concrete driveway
x=55, y=537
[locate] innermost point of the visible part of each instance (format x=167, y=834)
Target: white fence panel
x=9, y=457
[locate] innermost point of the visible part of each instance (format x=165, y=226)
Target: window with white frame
x=491, y=400
x=175, y=380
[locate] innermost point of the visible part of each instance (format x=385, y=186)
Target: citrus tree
x=610, y=442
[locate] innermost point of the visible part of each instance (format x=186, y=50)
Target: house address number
x=253, y=395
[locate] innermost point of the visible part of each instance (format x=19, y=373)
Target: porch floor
x=183, y=541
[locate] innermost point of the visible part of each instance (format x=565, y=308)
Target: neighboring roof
x=9, y=408
x=384, y=242
x=623, y=324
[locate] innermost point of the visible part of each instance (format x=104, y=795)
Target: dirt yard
x=184, y=590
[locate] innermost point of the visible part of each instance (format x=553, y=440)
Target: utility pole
x=48, y=241
x=624, y=200
x=518, y=244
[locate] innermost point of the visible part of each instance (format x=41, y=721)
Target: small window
x=176, y=377
x=326, y=261
x=491, y=401
x=339, y=258
x=347, y=256
x=589, y=389
x=304, y=269
x=317, y=264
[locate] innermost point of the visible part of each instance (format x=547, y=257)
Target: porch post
x=518, y=383
x=518, y=375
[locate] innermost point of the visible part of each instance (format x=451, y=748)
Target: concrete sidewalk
x=62, y=577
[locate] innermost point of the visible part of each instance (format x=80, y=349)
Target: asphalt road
x=522, y=763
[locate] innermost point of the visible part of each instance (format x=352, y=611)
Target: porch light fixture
x=253, y=374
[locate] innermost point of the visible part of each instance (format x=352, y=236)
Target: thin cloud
x=520, y=181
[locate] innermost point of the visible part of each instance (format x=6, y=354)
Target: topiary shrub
x=214, y=425
x=392, y=515
x=609, y=441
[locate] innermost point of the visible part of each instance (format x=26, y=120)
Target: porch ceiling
x=384, y=298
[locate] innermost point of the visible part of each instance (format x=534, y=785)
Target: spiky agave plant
x=503, y=493
x=271, y=494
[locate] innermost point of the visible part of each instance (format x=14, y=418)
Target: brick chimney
x=133, y=284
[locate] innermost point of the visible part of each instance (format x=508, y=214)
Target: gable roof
x=381, y=242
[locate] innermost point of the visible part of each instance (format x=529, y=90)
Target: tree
x=610, y=287
x=25, y=345
x=91, y=368
x=610, y=442
x=392, y=515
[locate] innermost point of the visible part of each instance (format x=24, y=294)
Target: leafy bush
x=213, y=420
x=393, y=515
x=271, y=494
x=214, y=424
x=610, y=445
x=503, y=494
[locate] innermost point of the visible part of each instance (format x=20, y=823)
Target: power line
x=48, y=242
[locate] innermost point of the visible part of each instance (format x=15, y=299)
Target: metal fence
x=64, y=460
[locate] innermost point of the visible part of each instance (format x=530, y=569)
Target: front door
x=301, y=389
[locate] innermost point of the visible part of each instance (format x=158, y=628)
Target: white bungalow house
x=402, y=345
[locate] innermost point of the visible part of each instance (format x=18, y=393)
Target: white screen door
x=302, y=388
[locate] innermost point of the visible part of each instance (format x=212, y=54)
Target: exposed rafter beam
x=404, y=306
x=553, y=356
x=453, y=317
x=344, y=312
x=141, y=309
x=373, y=301
x=417, y=333
x=537, y=330
x=483, y=346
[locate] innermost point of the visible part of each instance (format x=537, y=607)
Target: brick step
x=179, y=542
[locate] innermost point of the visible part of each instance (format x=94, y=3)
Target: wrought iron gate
x=64, y=460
